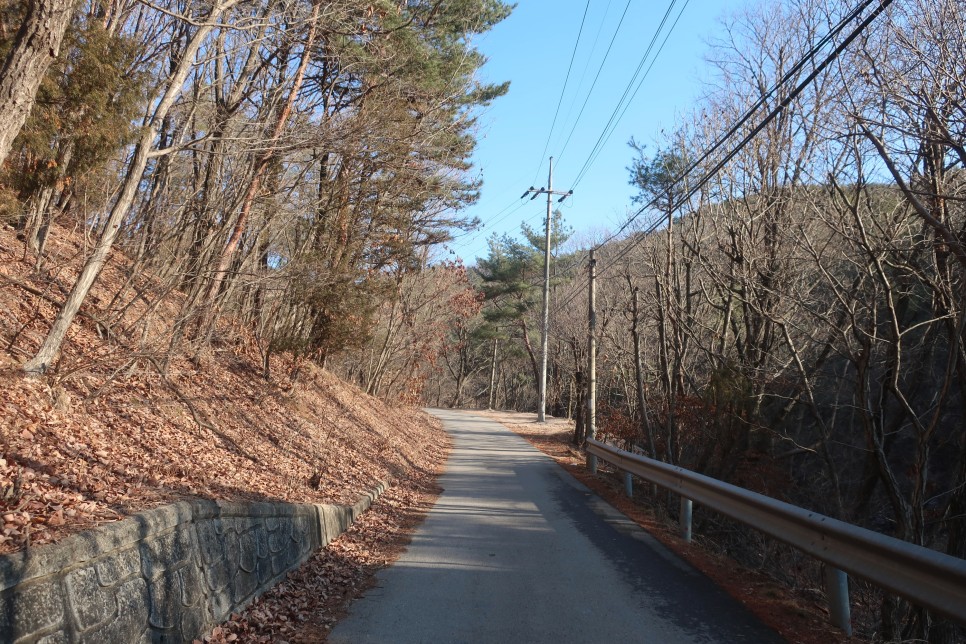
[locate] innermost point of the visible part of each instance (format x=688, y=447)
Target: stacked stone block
x=164, y=575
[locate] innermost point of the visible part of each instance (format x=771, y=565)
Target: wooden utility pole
x=545, y=327
x=592, y=358
x=492, y=402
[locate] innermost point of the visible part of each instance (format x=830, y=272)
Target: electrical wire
x=583, y=74
x=630, y=84
x=563, y=90
x=497, y=218
x=748, y=114
x=472, y=236
x=590, y=92
x=615, y=119
x=634, y=77
x=795, y=69
x=745, y=117
x=715, y=168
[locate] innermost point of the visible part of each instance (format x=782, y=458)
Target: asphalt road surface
x=516, y=550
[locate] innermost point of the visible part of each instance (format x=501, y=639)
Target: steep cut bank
x=110, y=431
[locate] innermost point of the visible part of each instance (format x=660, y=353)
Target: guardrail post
x=592, y=463
x=837, y=588
x=628, y=485
x=684, y=519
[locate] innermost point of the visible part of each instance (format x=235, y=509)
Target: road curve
x=516, y=550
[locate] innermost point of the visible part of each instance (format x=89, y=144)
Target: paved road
x=516, y=550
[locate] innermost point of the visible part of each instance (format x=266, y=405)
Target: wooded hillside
x=289, y=164
x=118, y=433
x=787, y=315
x=201, y=202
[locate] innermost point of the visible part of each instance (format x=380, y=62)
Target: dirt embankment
x=110, y=432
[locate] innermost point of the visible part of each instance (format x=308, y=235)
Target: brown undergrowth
x=109, y=431
x=798, y=619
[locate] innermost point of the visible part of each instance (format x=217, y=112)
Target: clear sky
x=532, y=49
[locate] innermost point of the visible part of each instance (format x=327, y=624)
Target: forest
x=288, y=163
x=789, y=316
x=793, y=322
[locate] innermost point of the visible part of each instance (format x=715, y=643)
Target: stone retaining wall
x=164, y=575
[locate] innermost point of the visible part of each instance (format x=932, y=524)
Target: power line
x=473, y=236
x=748, y=114
x=486, y=227
x=630, y=83
x=689, y=192
x=556, y=113
x=613, y=122
x=745, y=117
x=761, y=100
x=563, y=90
x=583, y=74
x=590, y=92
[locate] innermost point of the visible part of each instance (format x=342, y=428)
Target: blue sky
x=532, y=49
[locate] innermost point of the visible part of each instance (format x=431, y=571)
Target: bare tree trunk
x=639, y=377
x=665, y=361
x=261, y=164
x=35, y=47
x=531, y=354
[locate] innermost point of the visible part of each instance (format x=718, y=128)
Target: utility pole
x=545, y=327
x=493, y=376
x=592, y=357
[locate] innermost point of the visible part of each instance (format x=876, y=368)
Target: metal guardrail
x=925, y=577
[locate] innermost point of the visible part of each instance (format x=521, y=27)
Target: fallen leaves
x=100, y=464
x=107, y=436
x=303, y=608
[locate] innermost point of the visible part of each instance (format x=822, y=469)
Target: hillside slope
x=109, y=432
